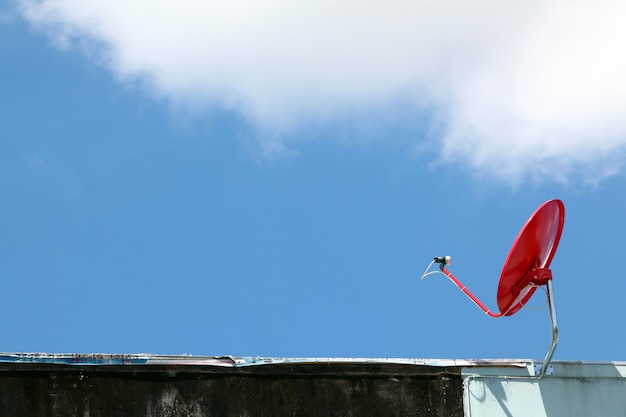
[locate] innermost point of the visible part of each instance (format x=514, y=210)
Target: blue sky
x=206, y=193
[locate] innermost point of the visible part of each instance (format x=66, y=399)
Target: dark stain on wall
x=277, y=390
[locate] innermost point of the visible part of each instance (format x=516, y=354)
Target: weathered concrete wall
x=318, y=389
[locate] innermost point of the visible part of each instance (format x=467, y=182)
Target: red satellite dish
x=526, y=267
x=532, y=251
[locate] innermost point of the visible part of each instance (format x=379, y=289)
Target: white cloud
x=531, y=89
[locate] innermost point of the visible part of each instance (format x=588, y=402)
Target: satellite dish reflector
x=526, y=267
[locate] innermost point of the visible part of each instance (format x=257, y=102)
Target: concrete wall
x=289, y=389
x=157, y=386
x=573, y=390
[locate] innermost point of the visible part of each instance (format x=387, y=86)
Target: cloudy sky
x=271, y=178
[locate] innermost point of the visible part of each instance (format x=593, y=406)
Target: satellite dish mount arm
x=445, y=260
x=538, y=277
x=555, y=327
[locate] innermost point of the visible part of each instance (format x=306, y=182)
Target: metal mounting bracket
x=545, y=366
x=549, y=370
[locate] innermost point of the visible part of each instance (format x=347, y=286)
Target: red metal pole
x=468, y=293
